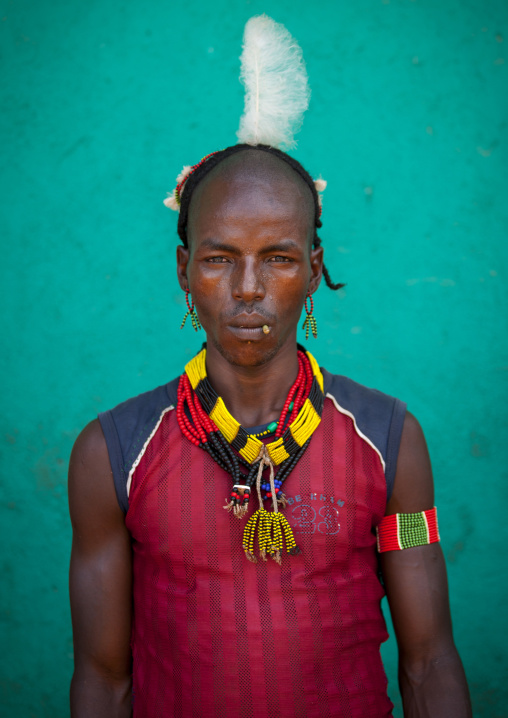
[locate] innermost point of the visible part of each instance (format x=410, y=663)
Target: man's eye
x=279, y=258
x=217, y=260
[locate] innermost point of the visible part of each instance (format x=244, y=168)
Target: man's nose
x=248, y=284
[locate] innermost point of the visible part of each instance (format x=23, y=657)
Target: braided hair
x=211, y=161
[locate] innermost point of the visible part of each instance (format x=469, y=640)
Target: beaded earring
x=191, y=312
x=310, y=323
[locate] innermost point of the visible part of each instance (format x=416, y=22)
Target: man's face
x=250, y=261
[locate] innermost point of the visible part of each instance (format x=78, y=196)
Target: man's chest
x=335, y=495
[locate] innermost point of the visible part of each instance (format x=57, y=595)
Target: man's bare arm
x=100, y=584
x=431, y=677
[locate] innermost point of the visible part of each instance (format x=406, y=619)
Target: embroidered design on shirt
x=306, y=516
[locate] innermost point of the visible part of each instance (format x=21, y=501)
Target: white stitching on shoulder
x=145, y=446
x=361, y=434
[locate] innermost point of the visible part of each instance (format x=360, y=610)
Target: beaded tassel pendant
x=272, y=529
x=310, y=323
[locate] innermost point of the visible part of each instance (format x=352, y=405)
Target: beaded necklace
x=204, y=420
x=270, y=429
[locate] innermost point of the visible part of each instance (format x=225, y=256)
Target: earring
x=310, y=323
x=191, y=312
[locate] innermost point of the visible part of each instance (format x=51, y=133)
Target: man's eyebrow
x=218, y=246
x=284, y=245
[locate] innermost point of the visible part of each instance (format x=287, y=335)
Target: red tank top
x=215, y=635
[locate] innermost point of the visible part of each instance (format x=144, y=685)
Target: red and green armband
x=400, y=531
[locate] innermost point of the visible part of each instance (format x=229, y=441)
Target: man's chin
x=246, y=353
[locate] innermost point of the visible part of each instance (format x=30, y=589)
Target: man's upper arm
x=415, y=578
x=431, y=676
x=101, y=567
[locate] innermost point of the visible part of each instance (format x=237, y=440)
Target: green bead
x=291, y=406
x=272, y=426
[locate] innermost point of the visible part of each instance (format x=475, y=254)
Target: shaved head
x=250, y=172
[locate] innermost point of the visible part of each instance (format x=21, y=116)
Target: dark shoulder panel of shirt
x=128, y=426
x=378, y=416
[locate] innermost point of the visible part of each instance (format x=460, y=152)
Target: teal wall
x=103, y=102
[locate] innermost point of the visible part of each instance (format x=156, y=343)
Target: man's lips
x=248, y=321
x=249, y=327
x=247, y=333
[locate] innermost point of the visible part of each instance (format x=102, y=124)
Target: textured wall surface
x=103, y=102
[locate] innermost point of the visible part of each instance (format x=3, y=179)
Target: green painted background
x=103, y=101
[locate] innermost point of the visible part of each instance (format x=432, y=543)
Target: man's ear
x=316, y=266
x=182, y=260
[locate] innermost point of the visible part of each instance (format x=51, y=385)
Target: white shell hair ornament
x=173, y=200
x=276, y=94
x=320, y=185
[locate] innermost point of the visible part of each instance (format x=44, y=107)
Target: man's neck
x=253, y=395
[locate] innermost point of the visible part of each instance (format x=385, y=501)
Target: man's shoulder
x=378, y=417
x=129, y=425
x=352, y=395
x=147, y=401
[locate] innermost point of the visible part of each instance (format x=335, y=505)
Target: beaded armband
x=400, y=531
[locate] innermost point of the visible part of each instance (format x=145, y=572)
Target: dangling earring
x=192, y=312
x=310, y=320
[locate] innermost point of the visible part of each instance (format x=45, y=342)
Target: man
x=163, y=595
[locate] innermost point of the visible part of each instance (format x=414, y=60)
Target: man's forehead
x=255, y=186
x=257, y=166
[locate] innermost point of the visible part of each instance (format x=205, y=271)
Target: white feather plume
x=276, y=87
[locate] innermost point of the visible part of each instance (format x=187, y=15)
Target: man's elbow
x=417, y=666
x=99, y=691
x=433, y=683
